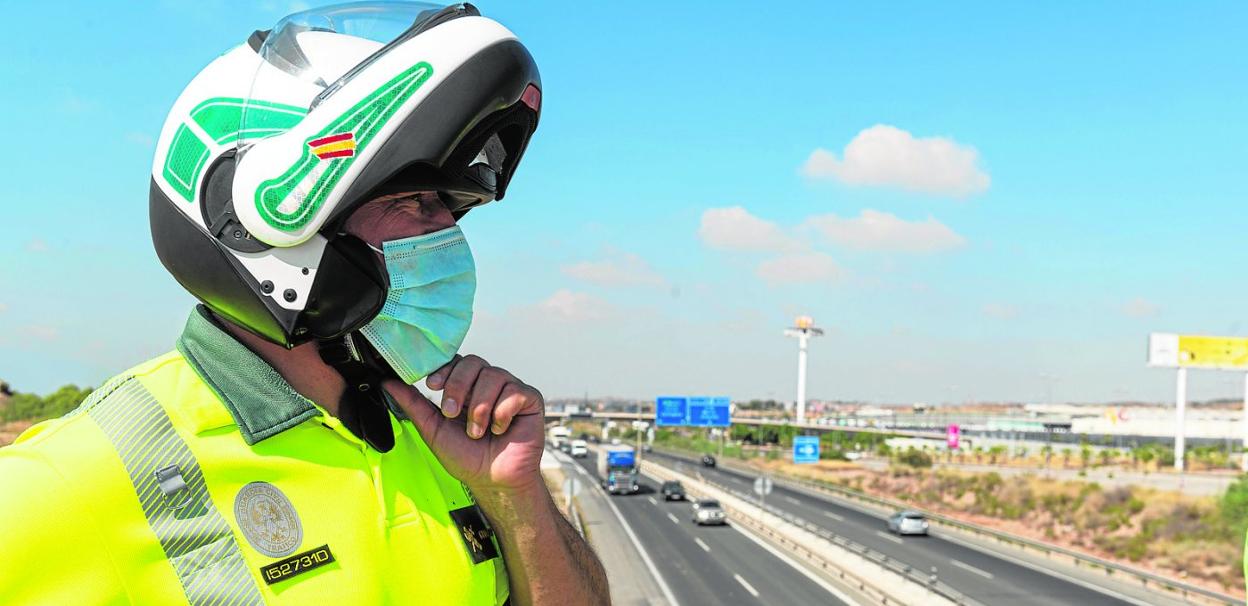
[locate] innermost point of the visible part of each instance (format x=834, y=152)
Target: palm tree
x=995, y=452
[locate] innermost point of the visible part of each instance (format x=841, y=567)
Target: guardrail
x=1146, y=579
x=881, y=595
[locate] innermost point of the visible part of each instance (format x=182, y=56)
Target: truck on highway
x=617, y=466
x=559, y=435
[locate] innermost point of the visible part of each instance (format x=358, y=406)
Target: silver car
x=707, y=511
x=907, y=522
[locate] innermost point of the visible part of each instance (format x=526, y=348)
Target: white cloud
x=881, y=231
x=1140, y=307
x=885, y=155
x=571, y=305
x=617, y=269
x=3, y=308
x=140, y=138
x=798, y=268
x=1000, y=311
x=734, y=228
x=40, y=331
x=71, y=102
x=37, y=245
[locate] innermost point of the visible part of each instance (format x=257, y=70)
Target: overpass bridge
x=628, y=417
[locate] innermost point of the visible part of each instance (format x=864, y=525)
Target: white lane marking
x=840, y=595
x=792, y=500
x=969, y=568
x=701, y=544
x=673, y=518
x=834, y=516
x=645, y=557
x=652, y=501
x=948, y=536
x=747, y=586
x=1036, y=567
x=885, y=535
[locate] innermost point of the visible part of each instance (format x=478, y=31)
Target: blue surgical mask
x=429, y=306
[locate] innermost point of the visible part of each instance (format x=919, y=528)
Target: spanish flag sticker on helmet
x=334, y=146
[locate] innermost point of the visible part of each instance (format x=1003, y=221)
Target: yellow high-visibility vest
x=202, y=477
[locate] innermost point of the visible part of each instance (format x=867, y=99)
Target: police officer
x=306, y=189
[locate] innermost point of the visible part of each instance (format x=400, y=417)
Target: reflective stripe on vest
x=195, y=538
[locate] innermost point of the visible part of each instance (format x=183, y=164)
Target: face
x=397, y=216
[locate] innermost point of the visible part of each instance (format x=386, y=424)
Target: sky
x=976, y=200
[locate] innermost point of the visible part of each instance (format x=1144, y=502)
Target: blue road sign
x=805, y=449
x=669, y=411
x=709, y=412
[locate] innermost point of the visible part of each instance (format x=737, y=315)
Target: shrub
x=915, y=458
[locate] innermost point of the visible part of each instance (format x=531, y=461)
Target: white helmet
x=269, y=149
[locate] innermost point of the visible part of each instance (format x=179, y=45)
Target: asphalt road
x=984, y=578
x=709, y=564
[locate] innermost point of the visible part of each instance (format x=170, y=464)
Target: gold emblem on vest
x=267, y=519
x=471, y=539
x=476, y=532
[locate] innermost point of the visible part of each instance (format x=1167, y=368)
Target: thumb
x=425, y=416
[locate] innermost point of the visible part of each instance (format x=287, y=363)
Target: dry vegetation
x=1196, y=538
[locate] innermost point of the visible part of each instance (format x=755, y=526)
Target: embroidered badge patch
x=267, y=519
x=476, y=532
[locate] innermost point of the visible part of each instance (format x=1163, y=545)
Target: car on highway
x=565, y=446
x=708, y=511
x=579, y=449
x=708, y=460
x=908, y=522
x=672, y=491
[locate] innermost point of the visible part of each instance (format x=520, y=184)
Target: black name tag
x=476, y=533
x=296, y=564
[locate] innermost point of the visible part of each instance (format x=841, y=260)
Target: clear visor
x=310, y=54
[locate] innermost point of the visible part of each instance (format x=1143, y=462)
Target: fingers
x=482, y=392
x=437, y=378
x=417, y=407
x=485, y=392
x=515, y=400
x=458, y=384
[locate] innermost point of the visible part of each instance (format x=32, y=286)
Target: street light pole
x=803, y=329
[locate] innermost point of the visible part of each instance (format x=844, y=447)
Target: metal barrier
x=1145, y=578
x=882, y=596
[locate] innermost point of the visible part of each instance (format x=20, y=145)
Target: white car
x=708, y=511
x=908, y=522
x=579, y=449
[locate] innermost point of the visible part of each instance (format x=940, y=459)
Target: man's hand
x=489, y=433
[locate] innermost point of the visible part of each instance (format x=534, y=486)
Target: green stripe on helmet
x=364, y=120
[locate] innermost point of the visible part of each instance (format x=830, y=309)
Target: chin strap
x=362, y=407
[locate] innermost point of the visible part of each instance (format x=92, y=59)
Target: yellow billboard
x=1213, y=352
x=1198, y=351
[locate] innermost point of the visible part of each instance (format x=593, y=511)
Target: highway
x=709, y=564
x=982, y=577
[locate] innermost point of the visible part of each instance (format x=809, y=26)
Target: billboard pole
x=1180, y=405
x=1243, y=463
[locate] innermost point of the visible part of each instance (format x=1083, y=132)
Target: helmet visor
x=310, y=54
